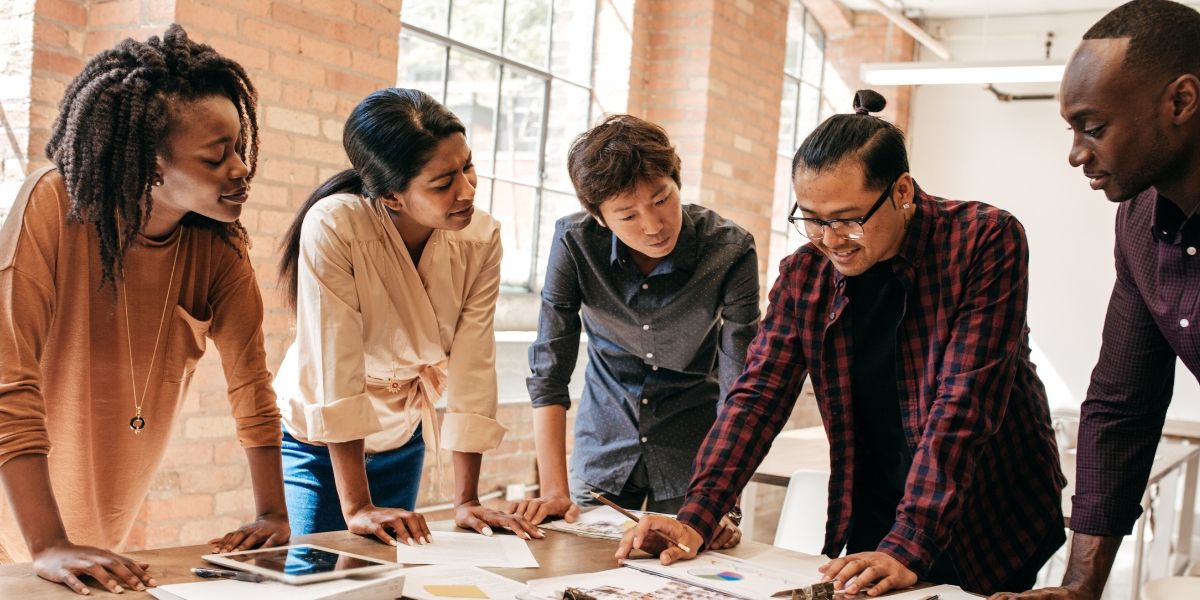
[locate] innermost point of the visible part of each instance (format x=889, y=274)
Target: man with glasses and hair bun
x=909, y=313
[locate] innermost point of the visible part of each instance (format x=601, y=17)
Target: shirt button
x=1191, y=250
x=645, y=286
x=1184, y=323
x=654, y=368
x=643, y=440
x=649, y=355
x=645, y=401
x=645, y=328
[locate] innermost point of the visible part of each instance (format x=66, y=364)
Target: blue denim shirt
x=662, y=348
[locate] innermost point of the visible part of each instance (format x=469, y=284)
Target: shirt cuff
x=257, y=418
x=544, y=392
x=343, y=420
x=701, y=514
x=20, y=437
x=467, y=432
x=1098, y=514
x=910, y=547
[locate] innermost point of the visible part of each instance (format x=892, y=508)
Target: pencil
x=635, y=519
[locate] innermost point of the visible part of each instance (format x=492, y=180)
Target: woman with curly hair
x=114, y=267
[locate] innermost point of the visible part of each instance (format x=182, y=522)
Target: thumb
x=572, y=513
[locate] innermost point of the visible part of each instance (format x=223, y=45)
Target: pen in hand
x=227, y=574
x=635, y=519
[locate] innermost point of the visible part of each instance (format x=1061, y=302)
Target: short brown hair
x=613, y=157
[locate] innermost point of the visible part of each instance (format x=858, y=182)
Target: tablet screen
x=301, y=560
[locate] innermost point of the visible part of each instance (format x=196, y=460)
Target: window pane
x=483, y=194
x=477, y=22
x=514, y=206
x=427, y=14
x=520, y=128
x=814, y=52
x=471, y=94
x=571, y=55
x=527, y=31
x=422, y=65
x=810, y=111
x=568, y=118
x=554, y=207
x=787, y=116
x=795, y=29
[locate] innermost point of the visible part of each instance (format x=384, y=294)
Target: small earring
x=158, y=182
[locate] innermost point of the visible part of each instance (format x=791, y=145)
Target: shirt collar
x=682, y=258
x=1170, y=225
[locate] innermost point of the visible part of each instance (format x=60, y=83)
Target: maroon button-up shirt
x=985, y=483
x=1153, y=317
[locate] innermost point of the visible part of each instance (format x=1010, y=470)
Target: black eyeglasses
x=847, y=229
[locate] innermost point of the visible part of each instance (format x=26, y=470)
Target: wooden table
x=558, y=554
x=1175, y=465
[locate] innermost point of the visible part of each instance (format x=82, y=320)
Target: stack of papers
x=469, y=550
x=618, y=584
x=446, y=582
x=726, y=574
x=604, y=523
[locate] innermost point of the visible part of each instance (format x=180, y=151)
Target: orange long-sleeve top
x=66, y=389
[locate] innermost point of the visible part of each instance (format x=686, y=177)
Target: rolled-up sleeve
x=469, y=424
x=237, y=310
x=553, y=354
x=329, y=334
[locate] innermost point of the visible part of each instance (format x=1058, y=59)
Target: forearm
x=35, y=508
x=350, y=476
x=550, y=439
x=466, y=477
x=266, y=477
x=1090, y=563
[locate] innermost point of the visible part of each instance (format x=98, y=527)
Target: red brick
x=250, y=57
x=71, y=12
x=56, y=62
x=114, y=12
x=190, y=13
x=286, y=14
x=179, y=507
x=268, y=35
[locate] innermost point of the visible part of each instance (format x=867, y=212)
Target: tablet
x=302, y=563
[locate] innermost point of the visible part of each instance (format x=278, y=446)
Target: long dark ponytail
x=389, y=137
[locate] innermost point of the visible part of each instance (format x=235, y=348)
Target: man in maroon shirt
x=1131, y=94
x=908, y=312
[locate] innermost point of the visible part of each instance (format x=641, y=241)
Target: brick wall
x=708, y=70
x=873, y=39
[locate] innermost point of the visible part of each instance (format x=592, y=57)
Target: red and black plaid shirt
x=985, y=483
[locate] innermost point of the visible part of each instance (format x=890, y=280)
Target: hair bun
x=868, y=101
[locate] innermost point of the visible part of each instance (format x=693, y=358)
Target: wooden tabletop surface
x=558, y=554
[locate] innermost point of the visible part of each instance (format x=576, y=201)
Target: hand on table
x=408, y=526
x=1050, y=593
x=873, y=572
x=264, y=532
x=537, y=510
x=645, y=537
x=65, y=563
x=472, y=515
x=727, y=535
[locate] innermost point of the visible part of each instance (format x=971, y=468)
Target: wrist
x=349, y=511
x=41, y=545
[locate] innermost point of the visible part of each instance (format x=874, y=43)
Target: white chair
x=802, y=519
x=1172, y=588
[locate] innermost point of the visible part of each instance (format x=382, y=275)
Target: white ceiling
x=948, y=9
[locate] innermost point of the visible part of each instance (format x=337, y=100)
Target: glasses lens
x=810, y=230
x=847, y=230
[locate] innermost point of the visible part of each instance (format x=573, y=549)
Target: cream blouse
x=379, y=339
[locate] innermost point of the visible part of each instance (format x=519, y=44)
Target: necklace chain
x=137, y=423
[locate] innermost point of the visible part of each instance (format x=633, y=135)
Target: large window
x=519, y=75
x=800, y=110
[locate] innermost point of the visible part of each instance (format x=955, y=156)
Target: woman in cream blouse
x=394, y=276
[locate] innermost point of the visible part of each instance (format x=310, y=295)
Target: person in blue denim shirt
x=669, y=297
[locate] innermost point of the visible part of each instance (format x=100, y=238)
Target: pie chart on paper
x=716, y=574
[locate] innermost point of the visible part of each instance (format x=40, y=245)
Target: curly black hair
x=113, y=122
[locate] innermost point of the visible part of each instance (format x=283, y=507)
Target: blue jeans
x=394, y=477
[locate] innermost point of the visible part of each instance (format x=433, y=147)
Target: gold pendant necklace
x=137, y=423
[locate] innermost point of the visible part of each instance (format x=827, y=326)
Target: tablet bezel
x=223, y=560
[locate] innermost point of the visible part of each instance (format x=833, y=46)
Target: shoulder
x=343, y=217
x=484, y=229
x=49, y=201
x=712, y=228
x=965, y=220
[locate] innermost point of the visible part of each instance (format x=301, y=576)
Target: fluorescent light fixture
x=952, y=73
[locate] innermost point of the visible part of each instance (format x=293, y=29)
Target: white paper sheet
x=733, y=576
x=469, y=550
x=603, y=522
x=384, y=586
x=943, y=592
x=492, y=585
